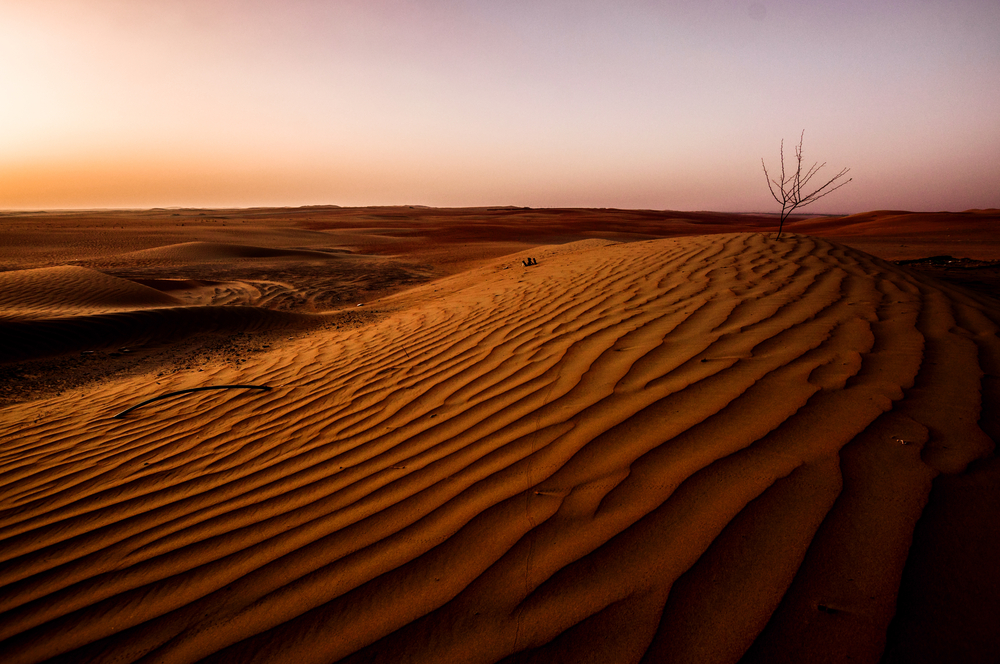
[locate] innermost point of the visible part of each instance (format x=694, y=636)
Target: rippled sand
x=703, y=449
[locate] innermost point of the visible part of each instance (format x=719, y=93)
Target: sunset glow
x=634, y=104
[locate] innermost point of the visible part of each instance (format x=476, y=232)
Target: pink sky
x=624, y=103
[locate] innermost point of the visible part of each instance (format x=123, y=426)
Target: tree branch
x=792, y=185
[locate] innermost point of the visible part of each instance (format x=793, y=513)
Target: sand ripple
x=691, y=450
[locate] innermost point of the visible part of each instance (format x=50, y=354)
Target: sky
x=541, y=103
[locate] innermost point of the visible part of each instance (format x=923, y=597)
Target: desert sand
x=674, y=439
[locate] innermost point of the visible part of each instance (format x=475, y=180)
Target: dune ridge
x=219, y=251
x=45, y=312
x=713, y=448
x=71, y=289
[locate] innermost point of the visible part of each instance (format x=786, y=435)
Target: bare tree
x=790, y=190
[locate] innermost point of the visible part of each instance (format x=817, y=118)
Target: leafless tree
x=790, y=190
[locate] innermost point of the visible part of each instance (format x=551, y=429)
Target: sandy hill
x=53, y=311
x=68, y=290
x=705, y=449
x=970, y=225
x=221, y=251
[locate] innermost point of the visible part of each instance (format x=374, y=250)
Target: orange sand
x=709, y=448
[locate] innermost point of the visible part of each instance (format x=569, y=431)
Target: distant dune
x=57, y=310
x=47, y=337
x=957, y=228
x=716, y=448
x=72, y=290
x=218, y=251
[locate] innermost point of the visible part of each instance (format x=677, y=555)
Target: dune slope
x=221, y=251
x=50, y=311
x=711, y=449
x=72, y=290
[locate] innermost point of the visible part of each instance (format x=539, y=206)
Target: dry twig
x=792, y=186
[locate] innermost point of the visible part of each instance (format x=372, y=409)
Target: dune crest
x=706, y=449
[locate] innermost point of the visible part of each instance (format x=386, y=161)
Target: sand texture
x=53, y=310
x=715, y=448
x=70, y=290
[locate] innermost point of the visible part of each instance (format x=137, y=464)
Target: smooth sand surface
x=710, y=448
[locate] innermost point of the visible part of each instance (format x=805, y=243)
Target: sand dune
x=49, y=337
x=705, y=449
x=70, y=290
x=899, y=234
x=220, y=251
x=46, y=312
x=204, y=291
x=900, y=222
